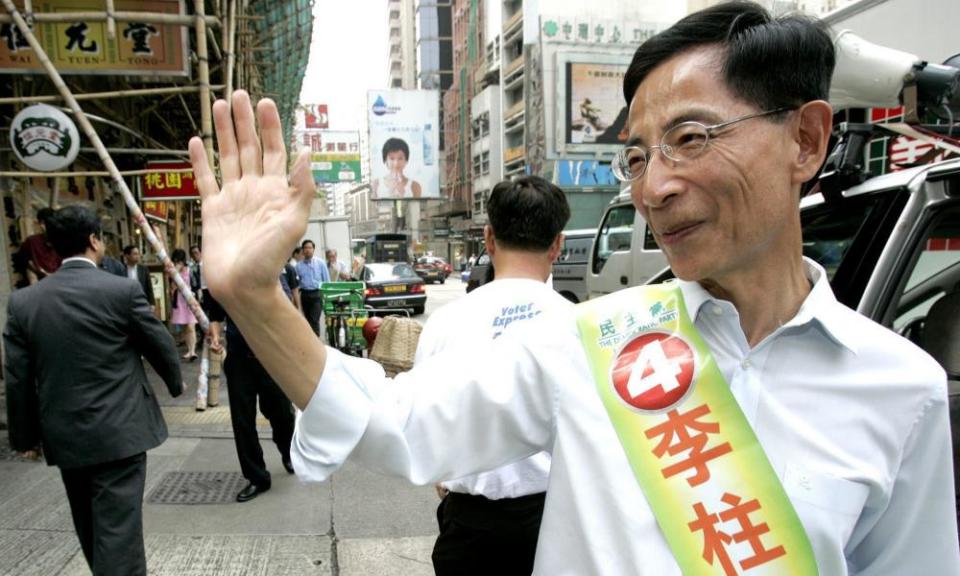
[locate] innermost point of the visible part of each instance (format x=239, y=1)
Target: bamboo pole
x=105, y=95
x=141, y=172
x=114, y=172
x=206, y=116
x=111, y=22
x=231, y=46
x=152, y=17
x=186, y=109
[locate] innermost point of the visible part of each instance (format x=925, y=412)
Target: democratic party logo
x=654, y=371
x=44, y=138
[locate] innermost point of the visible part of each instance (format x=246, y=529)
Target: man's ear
x=556, y=247
x=814, y=123
x=488, y=240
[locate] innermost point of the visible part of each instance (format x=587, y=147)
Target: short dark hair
x=527, y=213
x=767, y=62
x=395, y=145
x=296, y=251
x=130, y=248
x=178, y=256
x=44, y=215
x=307, y=241
x=195, y=247
x=70, y=227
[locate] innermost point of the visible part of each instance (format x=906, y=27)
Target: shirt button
x=745, y=364
x=717, y=311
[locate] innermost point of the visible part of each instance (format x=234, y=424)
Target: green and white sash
x=715, y=495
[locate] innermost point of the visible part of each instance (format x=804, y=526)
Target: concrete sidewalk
x=356, y=523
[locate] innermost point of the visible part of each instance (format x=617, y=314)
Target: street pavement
x=356, y=523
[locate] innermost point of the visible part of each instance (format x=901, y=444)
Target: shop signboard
x=334, y=155
x=315, y=117
x=168, y=184
x=404, y=143
x=84, y=47
x=44, y=138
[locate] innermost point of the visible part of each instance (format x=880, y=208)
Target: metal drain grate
x=197, y=488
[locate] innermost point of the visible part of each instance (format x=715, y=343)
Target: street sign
x=44, y=138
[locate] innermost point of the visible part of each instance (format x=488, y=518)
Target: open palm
x=251, y=224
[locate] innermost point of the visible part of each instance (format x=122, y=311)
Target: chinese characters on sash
x=685, y=438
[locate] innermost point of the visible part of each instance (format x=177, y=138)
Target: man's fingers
x=246, y=130
x=226, y=142
x=271, y=133
x=302, y=179
x=206, y=182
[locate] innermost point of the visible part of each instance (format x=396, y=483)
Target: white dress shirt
x=475, y=320
x=852, y=417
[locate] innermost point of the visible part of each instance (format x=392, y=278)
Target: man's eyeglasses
x=685, y=141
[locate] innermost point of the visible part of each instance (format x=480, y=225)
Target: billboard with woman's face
x=404, y=141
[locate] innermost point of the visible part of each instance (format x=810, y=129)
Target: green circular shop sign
x=44, y=138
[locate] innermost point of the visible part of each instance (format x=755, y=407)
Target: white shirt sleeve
x=917, y=532
x=438, y=421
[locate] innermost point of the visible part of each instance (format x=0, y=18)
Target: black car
x=393, y=285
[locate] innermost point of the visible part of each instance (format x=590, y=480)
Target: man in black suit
x=136, y=271
x=76, y=389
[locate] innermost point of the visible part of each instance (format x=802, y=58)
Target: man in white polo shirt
x=489, y=522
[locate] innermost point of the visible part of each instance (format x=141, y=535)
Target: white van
x=624, y=252
x=570, y=269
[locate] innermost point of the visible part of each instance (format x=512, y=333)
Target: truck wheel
x=418, y=310
x=443, y=279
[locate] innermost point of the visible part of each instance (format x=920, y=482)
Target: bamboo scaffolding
x=151, y=17
x=112, y=94
x=112, y=169
x=206, y=115
x=142, y=151
x=231, y=45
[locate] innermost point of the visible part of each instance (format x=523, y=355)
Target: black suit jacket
x=143, y=277
x=74, y=376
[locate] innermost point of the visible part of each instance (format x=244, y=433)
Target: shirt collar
x=820, y=306
x=79, y=259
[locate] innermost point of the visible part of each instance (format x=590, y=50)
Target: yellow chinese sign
x=139, y=49
x=166, y=185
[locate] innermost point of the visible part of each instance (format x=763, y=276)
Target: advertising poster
x=334, y=155
x=596, y=113
x=404, y=141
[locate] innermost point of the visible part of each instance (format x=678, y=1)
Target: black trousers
x=106, y=501
x=312, y=302
x=246, y=380
x=479, y=536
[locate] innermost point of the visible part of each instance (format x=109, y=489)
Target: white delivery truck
x=570, y=269
x=330, y=232
x=624, y=252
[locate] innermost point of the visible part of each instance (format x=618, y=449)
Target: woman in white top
x=394, y=184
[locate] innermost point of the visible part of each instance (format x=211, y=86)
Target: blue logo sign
x=379, y=107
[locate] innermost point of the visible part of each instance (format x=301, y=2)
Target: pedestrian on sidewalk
x=182, y=317
x=78, y=393
x=248, y=380
x=313, y=273
x=489, y=522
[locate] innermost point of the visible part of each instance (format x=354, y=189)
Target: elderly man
x=738, y=420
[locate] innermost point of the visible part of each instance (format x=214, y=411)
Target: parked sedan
x=432, y=269
x=393, y=285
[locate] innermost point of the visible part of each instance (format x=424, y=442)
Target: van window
x=616, y=233
x=829, y=230
x=575, y=250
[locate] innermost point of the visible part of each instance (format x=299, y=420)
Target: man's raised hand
x=254, y=220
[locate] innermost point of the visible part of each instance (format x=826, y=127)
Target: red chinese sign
x=685, y=433
x=166, y=185
x=715, y=540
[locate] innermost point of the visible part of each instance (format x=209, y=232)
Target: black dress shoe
x=287, y=465
x=251, y=492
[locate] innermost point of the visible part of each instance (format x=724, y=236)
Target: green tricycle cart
x=345, y=315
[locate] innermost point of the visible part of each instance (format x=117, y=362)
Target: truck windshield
x=829, y=230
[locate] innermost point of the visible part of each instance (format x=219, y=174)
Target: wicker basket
x=396, y=344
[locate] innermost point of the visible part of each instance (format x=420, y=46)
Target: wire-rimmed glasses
x=685, y=141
